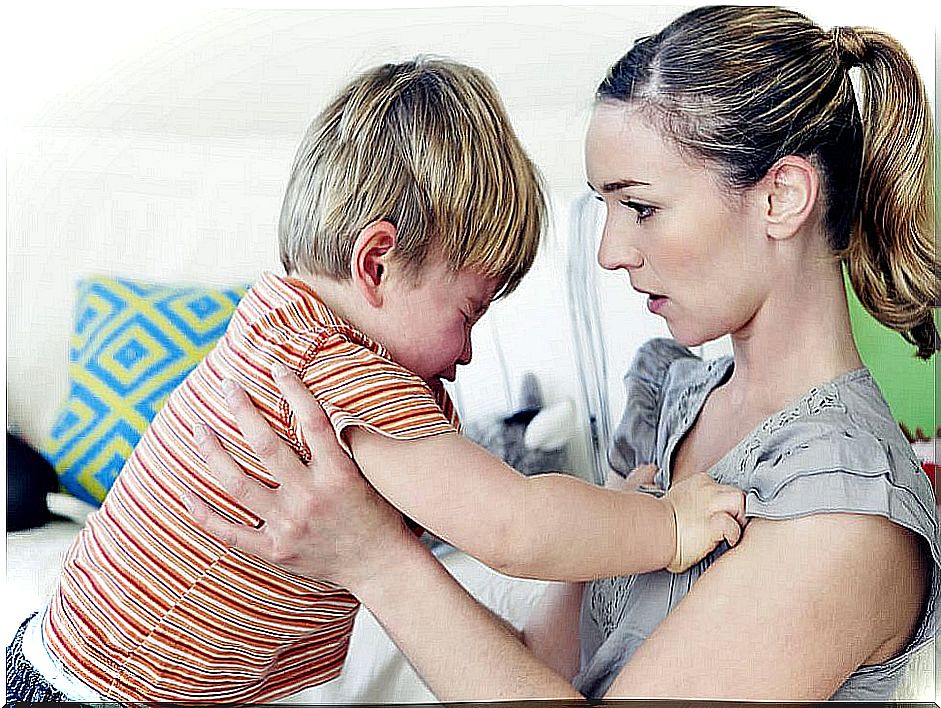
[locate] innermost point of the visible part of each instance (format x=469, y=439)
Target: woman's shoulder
x=837, y=449
x=839, y=432
x=845, y=418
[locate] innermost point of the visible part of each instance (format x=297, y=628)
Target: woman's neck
x=800, y=337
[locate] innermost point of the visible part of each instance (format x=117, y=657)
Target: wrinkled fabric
x=837, y=448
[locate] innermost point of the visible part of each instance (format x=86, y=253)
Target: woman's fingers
x=230, y=475
x=323, y=520
x=310, y=415
x=231, y=534
x=275, y=454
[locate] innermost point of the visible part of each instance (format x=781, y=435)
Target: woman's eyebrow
x=618, y=184
x=622, y=184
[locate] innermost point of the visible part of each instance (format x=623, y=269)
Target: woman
x=737, y=174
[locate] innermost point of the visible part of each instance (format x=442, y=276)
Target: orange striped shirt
x=151, y=608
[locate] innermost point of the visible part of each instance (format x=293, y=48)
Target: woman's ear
x=789, y=195
x=369, y=263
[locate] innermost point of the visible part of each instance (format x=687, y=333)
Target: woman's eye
x=644, y=211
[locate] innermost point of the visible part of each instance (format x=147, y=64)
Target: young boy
x=411, y=205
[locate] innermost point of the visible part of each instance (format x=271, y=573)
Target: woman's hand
x=324, y=520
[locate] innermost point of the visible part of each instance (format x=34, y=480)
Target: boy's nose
x=467, y=354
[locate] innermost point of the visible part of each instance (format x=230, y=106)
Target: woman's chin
x=689, y=338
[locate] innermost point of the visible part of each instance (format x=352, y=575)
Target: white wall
x=156, y=143
x=167, y=159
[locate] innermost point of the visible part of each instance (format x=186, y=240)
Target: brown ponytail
x=891, y=257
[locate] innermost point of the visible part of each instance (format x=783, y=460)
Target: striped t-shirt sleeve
x=358, y=387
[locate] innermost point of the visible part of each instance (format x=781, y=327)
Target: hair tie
x=850, y=47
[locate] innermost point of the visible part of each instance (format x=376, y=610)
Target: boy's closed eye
x=475, y=311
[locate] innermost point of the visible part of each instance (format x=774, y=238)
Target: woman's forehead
x=622, y=146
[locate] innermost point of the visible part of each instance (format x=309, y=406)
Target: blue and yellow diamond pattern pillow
x=133, y=343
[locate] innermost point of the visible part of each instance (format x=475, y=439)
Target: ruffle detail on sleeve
x=838, y=470
x=804, y=470
x=634, y=440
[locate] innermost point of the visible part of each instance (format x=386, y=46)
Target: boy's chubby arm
x=552, y=629
x=549, y=526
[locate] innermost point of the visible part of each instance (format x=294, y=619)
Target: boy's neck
x=341, y=297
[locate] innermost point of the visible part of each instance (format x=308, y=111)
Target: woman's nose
x=613, y=253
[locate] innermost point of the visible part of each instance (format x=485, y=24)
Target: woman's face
x=695, y=249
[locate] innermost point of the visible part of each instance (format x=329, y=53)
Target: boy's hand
x=706, y=513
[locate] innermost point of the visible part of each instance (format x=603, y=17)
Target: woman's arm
x=551, y=632
x=325, y=521
x=461, y=651
x=788, y=614
x=818, y=584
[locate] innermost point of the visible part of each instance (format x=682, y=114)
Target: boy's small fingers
x=643, y=474
x=730, y=500
x=731, y=530
x=737, y=505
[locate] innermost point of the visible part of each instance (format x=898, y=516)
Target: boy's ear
x=789, y=194
x=369, y=264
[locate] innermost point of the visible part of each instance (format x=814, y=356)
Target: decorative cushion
x=132, y=344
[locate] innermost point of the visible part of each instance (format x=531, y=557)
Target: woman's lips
x=655, y=303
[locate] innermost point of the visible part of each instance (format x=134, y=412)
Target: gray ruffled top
x=836, y=449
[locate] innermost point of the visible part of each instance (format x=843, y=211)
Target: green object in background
x=907, y=382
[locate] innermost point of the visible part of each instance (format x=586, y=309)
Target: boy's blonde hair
x=426, y=145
